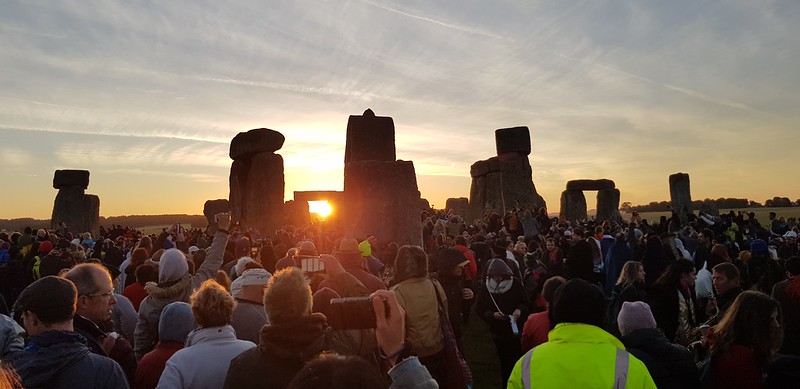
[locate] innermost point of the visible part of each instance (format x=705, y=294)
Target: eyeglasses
x=107, y=294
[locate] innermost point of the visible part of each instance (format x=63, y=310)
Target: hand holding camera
x=223, y=220
x=390, y=329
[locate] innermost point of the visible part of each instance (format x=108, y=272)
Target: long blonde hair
x=629, y=273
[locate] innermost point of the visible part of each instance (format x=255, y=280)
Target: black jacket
x=670, y=365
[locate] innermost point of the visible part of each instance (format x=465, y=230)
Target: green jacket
x=580, y=356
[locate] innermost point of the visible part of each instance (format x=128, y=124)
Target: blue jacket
x=61, y=359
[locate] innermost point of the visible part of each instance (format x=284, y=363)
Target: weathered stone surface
x=518, y=190
x=296, y=213
x=382, y=199
x=479, y=168
x=608, y=205
x=573, y=205
x=213, y=207
x=369, y=138
x=80, y=212
x=680, y=195
x=246, y=144
x=262, y=196
x=459, y=205
x=64, y=178
x=238, y=184
x=494, y=165
x=424, y=204
x=513, y=140
x=590, y=184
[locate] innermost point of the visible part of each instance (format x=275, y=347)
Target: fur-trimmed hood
x=170, y=289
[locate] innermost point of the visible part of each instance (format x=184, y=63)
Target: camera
x=353, y=313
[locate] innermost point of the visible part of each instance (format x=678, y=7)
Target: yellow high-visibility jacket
x=580, y=356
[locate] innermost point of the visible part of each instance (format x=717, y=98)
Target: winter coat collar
x=644, y=336
x=202, y=335
x=48, y=354
x=298, y=339
x=582, y=333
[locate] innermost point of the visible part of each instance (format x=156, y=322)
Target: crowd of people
x=681, y=302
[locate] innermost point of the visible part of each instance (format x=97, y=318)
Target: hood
x=170, y=289
x=498, y=267
x=299, y=339
x=448, y=259
x=48, y=354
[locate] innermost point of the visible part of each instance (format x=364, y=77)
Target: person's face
x=550, y=245
x=702, y=238
x=458, y=271
x=774, y=322
x=722, y=284
x=690, y=277
x=97, y=306
x=640, y=274
x=500, y=279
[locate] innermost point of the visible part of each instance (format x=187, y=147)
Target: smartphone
x=514, y=327
x=352, y=313
x=312, y=265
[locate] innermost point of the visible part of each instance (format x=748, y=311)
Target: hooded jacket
x=670, y=365
x=60, y=359
x=159, y=295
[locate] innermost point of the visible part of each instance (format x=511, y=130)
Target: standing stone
x=517, y=185
x=263, y=198
x=213, y=207
x=424, y=205
x=369, y=138
x=256, y=180
x=573, y=205
x=608, y=205
x=680, y=195
x=72, y=206
x=382, y=199
x=459, y=205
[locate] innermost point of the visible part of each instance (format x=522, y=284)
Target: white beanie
x=172, y=266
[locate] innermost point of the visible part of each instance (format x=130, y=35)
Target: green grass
x=762, y=214
x=480, y=353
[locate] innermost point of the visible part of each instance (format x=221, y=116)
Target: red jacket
x=737, y=368
x=152, y=365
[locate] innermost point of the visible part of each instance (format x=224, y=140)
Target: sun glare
x=321, y=208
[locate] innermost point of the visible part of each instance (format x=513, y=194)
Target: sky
x=148, y=94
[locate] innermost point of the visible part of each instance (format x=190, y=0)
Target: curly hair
x=212, y=305
x=748, y=322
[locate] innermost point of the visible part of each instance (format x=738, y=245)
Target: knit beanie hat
x=176, y=322
x=758, y=246
x=635, y=316
x=172, y=266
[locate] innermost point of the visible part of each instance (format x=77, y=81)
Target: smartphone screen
x=352, y=313
x=312, y=265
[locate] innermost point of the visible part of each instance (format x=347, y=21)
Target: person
x=335, y=371
x=555, y=258
x=248, y=291
x=175, y=283
x=135, y=291
x=451, y=267
x=175, y=324
x=725, y=278
x=503, y=304
x=294, y=334
x=580, y=261
x=11, y=338
x=57, y=356
x=57, y=259
x=418, y=294
x=579, y=354
x=349, y=255
x=93, y=310
x=618, y=255
x=673, y=304
x=538, y=325
x=629, y=287
x=654, y=260
x=203, y=363
x=787, y=293
x=670, y=365
x=744, y=341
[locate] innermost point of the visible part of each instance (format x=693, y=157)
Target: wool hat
x=758, y=246
x=634, y=316
x=578, y=301
x=176, y=322
x=51, y=298
x=250, y=277
x=172, y=266
x=449, y=259
x=45, y=247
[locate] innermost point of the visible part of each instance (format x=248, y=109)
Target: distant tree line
x=133, y=221
x=720, y=203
